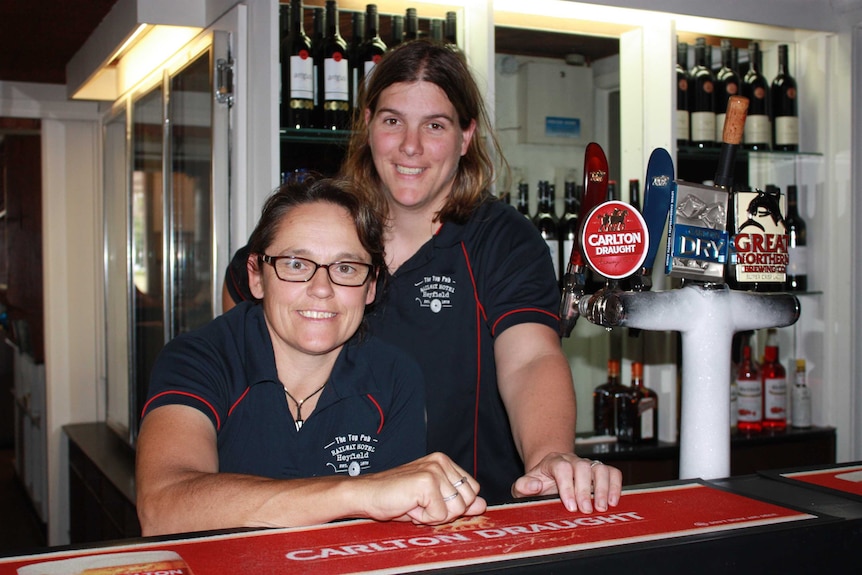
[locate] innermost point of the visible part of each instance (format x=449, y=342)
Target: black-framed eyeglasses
x=296, y=269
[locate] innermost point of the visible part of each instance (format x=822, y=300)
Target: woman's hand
x=429, y=491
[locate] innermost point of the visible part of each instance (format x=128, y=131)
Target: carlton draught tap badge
x=761, y=240
x=615, y=239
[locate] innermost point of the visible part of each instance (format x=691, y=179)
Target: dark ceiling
x=38, y=38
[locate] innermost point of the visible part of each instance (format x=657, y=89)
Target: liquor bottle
x=450, y=29
x=411, y=25
x=797, y=248
x=333, y=75
x=605, y=401
x=756, y=89
x=569, y=221
x=774, y=385
x=635, y=193
x=397, y=30
x=637, y=410
x=373, y=48
x=726, y=85
x=702, y=111
x=785, y=114
x=683, y=134
x=524, y=199
x=749, y=393
x=800, y=402
x=547, y=223
x=297, y=74
x=318, y=36
x=354, y=55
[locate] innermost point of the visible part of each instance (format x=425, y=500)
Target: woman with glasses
x=283, y=412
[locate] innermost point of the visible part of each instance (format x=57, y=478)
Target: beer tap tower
x=705, y=310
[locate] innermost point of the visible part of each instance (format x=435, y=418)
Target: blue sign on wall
x=562, y=127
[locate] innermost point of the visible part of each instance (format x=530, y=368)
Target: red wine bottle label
x=702, y=126
x=302, y=76
x=786, y=131
x=335, y=74
x=682, y=125
x=757, y=130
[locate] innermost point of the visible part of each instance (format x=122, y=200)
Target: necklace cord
x=299, y=420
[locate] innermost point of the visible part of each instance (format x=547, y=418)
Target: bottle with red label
x=774, y=378
x=749, y=394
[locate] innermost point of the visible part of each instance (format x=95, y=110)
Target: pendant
x=298, y=424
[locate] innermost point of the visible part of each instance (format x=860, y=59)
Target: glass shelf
x=314, y=136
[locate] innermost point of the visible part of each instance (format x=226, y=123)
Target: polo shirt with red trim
x=445, y=306
x=369, y=417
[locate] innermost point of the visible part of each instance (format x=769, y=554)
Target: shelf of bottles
x=325, y=52
x=768, y=387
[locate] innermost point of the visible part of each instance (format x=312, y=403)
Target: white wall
x=71, y=235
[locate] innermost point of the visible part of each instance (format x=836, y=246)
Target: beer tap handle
x=595, y=191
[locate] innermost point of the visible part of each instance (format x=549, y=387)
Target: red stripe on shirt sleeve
x=379, y=410
x=514, y=311
x=187, y=394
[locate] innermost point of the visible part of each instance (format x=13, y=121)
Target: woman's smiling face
x=315, y=317
x=417, y=142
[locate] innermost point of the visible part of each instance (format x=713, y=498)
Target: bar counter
x=788, y=521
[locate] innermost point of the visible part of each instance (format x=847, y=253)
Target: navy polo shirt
x=445, y=306
x=369, y=417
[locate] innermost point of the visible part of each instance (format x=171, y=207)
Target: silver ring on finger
x=449, y=498
x=460, y=482
x=595, y=462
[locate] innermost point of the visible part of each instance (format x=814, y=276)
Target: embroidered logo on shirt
x=436, y=292
x=351, y=453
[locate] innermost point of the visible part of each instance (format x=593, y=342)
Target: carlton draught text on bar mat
x=504, y=533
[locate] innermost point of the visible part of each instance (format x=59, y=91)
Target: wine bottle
x=756, y=89
x=635, y=193
x=637, y=410
x=547, y=223
x=785, y=118
x=354, y=55
x=333, y=74
x=749, y=393
x=297, y=74
x=726, y=85
x=318, y=36
x=411, y=25
x=283, y=59
x=774, y=385
x=800, y=412
x=797, y=248
x=702, y=99
x=605, y=401
x=436, y=29
x=524, y=199
x=397, y=30
x=450, y=29
x=683, y=135
x=569, y=221
x=373, y=48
